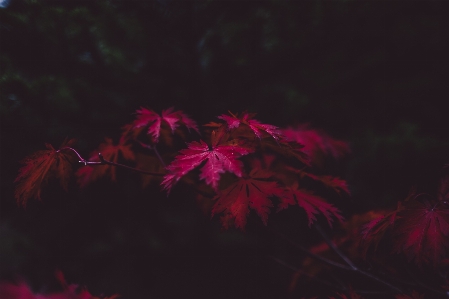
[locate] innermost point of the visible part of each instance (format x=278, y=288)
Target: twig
x=351, y=264
x=330, y=284
x=159, y=156
x=315, y=256
x=339, y=265
x=153, y=148
x=73, y=150
x=103, y=161
x=334, y=248
x=325, y=282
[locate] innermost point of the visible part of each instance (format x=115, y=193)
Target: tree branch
x=351, y=264
x=103, y=161
x=311, y=254
x=349, y=267
x=325, y=282
x=334, y=248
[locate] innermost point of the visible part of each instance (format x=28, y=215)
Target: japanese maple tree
x=242, y=166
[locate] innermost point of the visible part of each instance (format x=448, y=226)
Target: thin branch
x=159, y=156
x=349, y=262
x=334, y=248
x=339, y=265
x=285, y=264
x=309, y=253
x=153, y=148
x=103, y=161
x=380, y=280
x=325, y=282
x=73, y=150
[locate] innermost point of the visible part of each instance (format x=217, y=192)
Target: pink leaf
x=258, y=128
x=252, y=191
x=219, y=159
x=317, y=144
x=173, y=119
x=312, y=204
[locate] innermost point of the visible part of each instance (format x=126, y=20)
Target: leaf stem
x=159, y=156
x=334, y=248
x=82, y=160
x=153, y=148
x=103, y=161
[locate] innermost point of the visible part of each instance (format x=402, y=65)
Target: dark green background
x=374, y=73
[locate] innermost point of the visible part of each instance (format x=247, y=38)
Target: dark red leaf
x=330, y=181
x=312, y=204
x=39, y=167
x=152, y=120
x=423, y=232
x=252, y=192
x=317, y=144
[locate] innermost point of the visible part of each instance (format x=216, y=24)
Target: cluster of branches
x=243, y=164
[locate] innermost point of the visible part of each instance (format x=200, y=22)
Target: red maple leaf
x=257, y=127
x=252, y=192
x=111, y=153
x=374, y=231
x=422, y=233
x=330, y=181
x=312, y=204
x=219, y=159
x=39, y=167
x=146, y=117
x=317, y=144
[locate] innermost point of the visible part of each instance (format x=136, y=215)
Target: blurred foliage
x=371, y=72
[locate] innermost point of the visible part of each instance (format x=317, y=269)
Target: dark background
x=374, y=73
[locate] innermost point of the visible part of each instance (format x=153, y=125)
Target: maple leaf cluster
x=268, y=168
x=157, y=125
x=259, y=178
x=239, y=165
x=419, y=228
